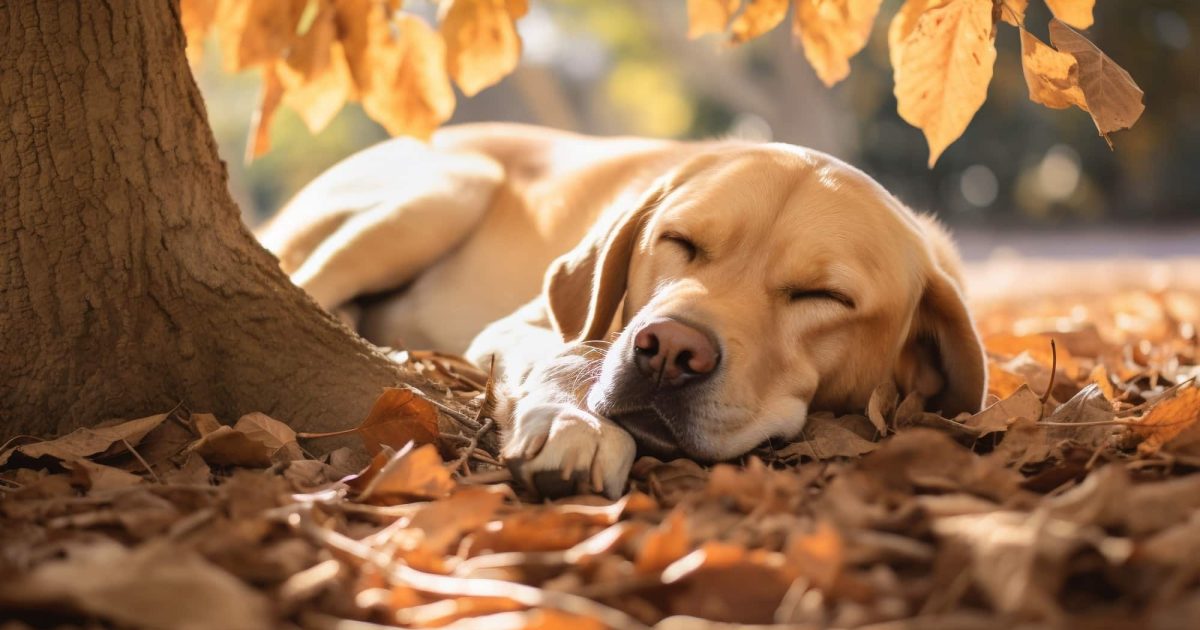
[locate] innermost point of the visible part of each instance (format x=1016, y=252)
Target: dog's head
x=759, y=283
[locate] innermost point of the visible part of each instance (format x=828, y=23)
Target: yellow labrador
x=689, y=298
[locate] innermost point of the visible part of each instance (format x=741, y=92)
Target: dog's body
x=741, y=285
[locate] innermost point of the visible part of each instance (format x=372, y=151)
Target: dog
x=677, y=298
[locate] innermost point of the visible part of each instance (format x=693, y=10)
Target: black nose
x=673, y=353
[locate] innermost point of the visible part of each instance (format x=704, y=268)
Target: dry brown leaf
x=825, y=437
x=1003, y=383
x=408, y=91
x=664, y=544
x=709, y=16
x=1023, y=403
x=157, y=585
x=882, y=405
x=482, y=46
x=277, y=436
x=413, y=471
x=88, y=442
x=1013, y=11
x=1091, y=411
x=443, y=522
x=1113, y=98
x=229, y=447
x=756, y=18
x=1052, y=76
x=945, y=66
x=833, y=31
x=1103, y=380
x=1077, y=13
x=98, y=477
x=204, y=423
x=1168, y=419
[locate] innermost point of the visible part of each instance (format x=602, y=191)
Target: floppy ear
x=584, y=286
x=943, y=358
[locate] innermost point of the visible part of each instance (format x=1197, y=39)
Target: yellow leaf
x=1077, y=13
x=260, y=122
x=903, y=24
x=482, y=45
x=318, y=99
x=757, y=18
x=709, y=16
x=944, y=70
x=664, y=544
x=196, y=16
x=256, y=32
x=1052, y=76
x=833, y=31
x=1168, y=419
x=1013, y=11
x=1113, y=98
x=407, y=90
x=351, y=18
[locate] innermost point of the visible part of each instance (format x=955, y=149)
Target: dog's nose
x=674, y=353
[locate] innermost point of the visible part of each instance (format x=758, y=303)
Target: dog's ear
x=584, y=286
x=943, y=358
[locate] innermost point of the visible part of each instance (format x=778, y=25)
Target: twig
x=145, y=464
x=449, y=586
x=472, y=446
x=1053, y=373
x=461, y=418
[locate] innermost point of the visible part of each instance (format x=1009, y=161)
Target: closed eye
x=801, y=295
x=683, y=243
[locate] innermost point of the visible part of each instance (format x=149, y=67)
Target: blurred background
x=1023, y=179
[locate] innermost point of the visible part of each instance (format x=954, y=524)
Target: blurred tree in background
x=625, y=66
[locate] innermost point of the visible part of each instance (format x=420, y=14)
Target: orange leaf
x=1052, y=76
x=406, y=88
x=903, y=24
x=256, y=32
x=944, y=70
x=819, y=556
x=482, y=45
x=664, y=544
x=1013, y=11
x=709, y=16
x=1077, y=13
x=413, y=471
x=1168, y=419
x=757, y=18
x=196, y=16
x=260, y=123
x=1113, y=98
x=832, y=32
x=398, y=417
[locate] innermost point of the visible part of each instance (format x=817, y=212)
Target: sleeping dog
x=687, y=298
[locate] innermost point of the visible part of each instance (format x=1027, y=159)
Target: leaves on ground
x=1073, y=508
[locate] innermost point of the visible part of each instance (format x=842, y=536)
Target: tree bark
x=128, y=283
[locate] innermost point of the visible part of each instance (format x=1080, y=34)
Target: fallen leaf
x=664, y=544
x=1023, y=403
x=229, y=447
x=757, y=17
x=1088, y=409
x=833, y=31
x=818, y=555
x=98, y=477
x=709, y=16
x=157, y=585
x=277, y=436
x=443, y=523
x=882, y=405
x=945, y=66
x=1113, y=98
x=825, y=437
x=413, y=471
x=482, y=45
x=1077, y=13
x=88, y=442
x=1052, y=76
x=398, y=417
x=1013, y=11
x=1168, y=419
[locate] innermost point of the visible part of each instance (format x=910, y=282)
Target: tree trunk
x=127, y=280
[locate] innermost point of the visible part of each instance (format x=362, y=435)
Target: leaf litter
x=1073, y=507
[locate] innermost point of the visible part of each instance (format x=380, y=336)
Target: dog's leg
x=550, y=438
x=404, y=203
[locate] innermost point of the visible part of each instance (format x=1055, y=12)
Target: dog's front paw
x=559, y=449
